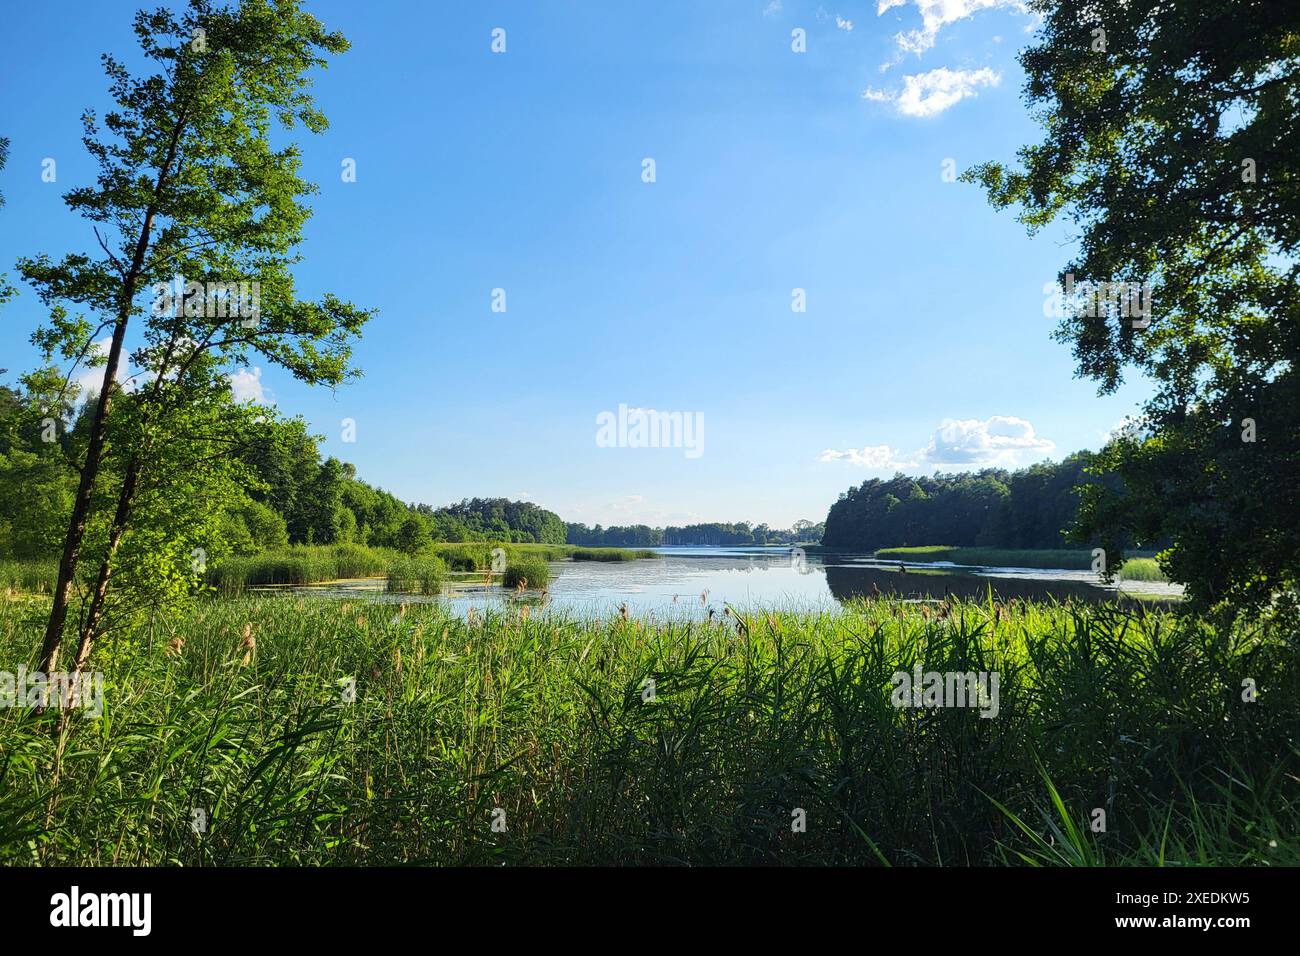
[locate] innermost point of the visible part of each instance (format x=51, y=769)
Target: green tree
x=412, y=536
x=1173, y=146
x=190, y=188
x=36, y=484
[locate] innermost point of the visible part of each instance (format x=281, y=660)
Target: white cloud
x=929, y=94
x=874, y=457
x=995, y=441
x=937, y=14
x=246, y=386
x=999, y=440
x=823, y=16
x=772, y=8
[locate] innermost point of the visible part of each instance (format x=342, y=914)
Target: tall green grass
x=301, y=564
x=423, y=574
x=679, y=742
x=312, y=564
x=526, y=572
x=611, y=554
x=39, y=575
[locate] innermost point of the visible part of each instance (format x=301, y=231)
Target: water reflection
x=698, y=581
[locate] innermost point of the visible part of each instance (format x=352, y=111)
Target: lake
x=691, y=582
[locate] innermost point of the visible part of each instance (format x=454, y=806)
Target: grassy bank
x=36, y=576
x=1140, y=567
x=612, y=742
x=611, y=554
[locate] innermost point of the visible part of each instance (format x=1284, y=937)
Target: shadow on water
x=850, y=581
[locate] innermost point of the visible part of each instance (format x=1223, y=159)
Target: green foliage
x=31, y=576
x=1029, y=508
x=526, y=571
x=496, y=519
x=252, y=527
x=753, y=715
x=412, y=536
x=422, y=574
x=1171, y=151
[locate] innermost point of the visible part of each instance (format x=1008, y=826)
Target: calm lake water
x=688, y=582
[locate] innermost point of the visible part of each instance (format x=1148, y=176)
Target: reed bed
x=424, y=574
x=611, y=554
x=526, y=572
x=33, y=575
x=320, y=732
x=312, y=564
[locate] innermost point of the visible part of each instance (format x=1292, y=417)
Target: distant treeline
x=323, y=502
x=1029, y=508
x=716, y=534
x=294, y=496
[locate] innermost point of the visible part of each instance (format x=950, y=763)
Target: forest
x=711, y=534
x=1032, y=507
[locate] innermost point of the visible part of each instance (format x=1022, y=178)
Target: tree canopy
x=1029, y=508
x=1172, y=144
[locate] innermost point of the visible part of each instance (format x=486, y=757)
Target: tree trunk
x=99, y=428
x=89, y=630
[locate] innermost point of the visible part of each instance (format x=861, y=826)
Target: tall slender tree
x=196, y=216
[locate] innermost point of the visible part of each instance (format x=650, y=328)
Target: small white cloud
x=929, y=94
x=874, y=457
x=842, y=23
x=999, y=440
x=937, y=14
x=772, y=9
x=246, y=386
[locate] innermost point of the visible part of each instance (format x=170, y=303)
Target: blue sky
x=924, y=343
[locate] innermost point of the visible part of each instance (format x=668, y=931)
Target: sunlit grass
x=622, y=741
